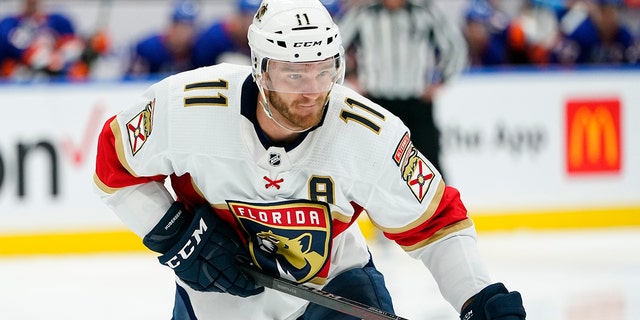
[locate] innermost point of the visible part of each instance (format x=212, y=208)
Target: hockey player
x=273, y=163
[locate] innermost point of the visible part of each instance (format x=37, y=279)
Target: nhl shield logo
x=291, y=238
x=275, y=159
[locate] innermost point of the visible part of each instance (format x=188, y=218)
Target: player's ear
x=265, y=81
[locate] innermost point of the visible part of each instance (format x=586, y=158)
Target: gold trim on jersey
x=426, y=215
x=335, y=215
x=117, y=134
x=462, y=224
x=220, y=206
x=197, y=190
x=318, y=280
x=102, y=186
x=120, y=151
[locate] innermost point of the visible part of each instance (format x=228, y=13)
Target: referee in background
x=399, y=53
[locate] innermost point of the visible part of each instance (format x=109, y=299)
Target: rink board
x=527, y=151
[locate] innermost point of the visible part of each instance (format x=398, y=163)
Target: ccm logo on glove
x=189, y=246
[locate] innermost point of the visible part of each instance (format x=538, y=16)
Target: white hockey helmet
x=294, y=31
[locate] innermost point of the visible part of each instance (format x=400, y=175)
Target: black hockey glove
x=495, y=302
x=202, y=251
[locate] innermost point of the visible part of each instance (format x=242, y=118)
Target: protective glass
x=301, y=77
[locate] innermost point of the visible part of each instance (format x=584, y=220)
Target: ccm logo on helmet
x=307, y=44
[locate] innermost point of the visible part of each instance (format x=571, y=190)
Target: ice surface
x=562, y=275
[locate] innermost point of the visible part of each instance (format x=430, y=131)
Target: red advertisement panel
x=593, y=136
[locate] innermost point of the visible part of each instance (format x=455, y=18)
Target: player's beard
x=293, y=115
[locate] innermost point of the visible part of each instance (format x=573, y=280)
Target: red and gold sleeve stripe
x=112, y=170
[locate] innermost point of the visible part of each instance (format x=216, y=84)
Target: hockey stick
x=320, y=297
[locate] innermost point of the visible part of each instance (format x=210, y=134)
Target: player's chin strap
x=264, y=102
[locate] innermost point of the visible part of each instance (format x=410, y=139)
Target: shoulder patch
x=417, y=174
x=139, y=128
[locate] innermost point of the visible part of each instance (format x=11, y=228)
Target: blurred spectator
x=335, y=8
x=533, y=33
x=170, y=50
x=485, y=29
x=496, y=39
x=226, y=39
x=35, y=44
x=593, y=33
x=403, y=52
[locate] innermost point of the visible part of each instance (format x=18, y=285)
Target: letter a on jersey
x=139, y=128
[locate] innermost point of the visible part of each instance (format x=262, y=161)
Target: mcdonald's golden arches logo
x=593, y=136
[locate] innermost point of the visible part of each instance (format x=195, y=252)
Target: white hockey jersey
x=295, y=205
